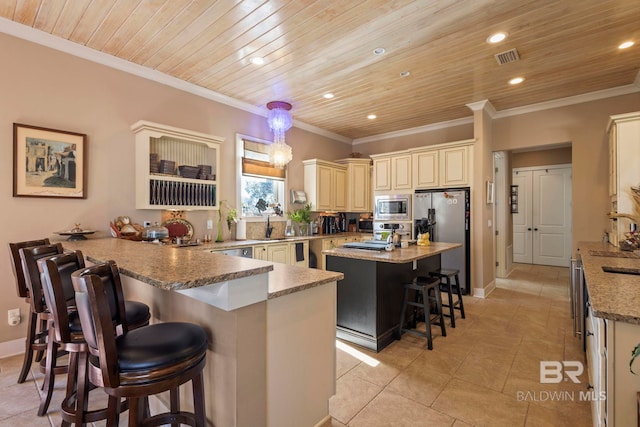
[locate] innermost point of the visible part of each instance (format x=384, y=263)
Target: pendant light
x=280, y=121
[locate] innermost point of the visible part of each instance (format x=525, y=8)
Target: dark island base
x=370, y=298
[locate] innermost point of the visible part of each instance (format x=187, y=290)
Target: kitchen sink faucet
x=269, y=229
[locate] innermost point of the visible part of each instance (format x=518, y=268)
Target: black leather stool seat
x=137, y=313
x=159, y=345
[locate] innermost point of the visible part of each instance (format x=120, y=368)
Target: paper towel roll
x=241, y=229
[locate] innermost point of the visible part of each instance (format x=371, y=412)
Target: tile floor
x=484, y=373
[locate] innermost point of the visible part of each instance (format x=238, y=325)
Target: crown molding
x=42, y=38
x=413, y=131
x=485, y=105
x=45, y=39
x=571, y=100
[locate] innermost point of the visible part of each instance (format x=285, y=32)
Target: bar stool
x=66, y=331
x=36, y=327
x=449, y=287
x=426, y=293
x=135, y=364
x=29, y=257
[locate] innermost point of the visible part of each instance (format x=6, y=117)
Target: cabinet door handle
x=589, y=387
x=529, y=229
x=535, y=229
x=589, y=333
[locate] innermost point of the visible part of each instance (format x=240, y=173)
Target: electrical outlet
x=14, y=316
x=209, y=224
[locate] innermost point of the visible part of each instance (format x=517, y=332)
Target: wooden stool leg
x=402, y=313
x=439, y=307
x=113, y=411
x=452, y=312
x=427, y=319
x=174, y=398
x=198, y=400
x=42, y=332
x=460, y=296
x=49, y=374
x=82, y=395
x=28, y=350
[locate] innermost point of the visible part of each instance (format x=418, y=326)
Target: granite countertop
x=396, y=256
x=172, y=268
x=230, y=244
x=612, y=295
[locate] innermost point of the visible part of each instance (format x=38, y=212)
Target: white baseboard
x=11, y=348
x=324, y=421
x=484, y=292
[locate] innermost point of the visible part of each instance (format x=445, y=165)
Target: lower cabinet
x=613, y=389
x=316, y=246
x=291, y=253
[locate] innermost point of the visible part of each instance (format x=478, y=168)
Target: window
x=261, y=186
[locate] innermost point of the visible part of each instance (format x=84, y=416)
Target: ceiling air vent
x=507, y=56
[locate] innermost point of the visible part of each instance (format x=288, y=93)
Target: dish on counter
x=179, y=228
x=75, y=235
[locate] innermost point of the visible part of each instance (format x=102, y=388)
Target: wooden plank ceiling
x=311, y=47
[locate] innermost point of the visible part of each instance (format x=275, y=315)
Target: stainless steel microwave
x=396, y=207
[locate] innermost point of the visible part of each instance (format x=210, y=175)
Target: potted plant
x=232, y=216
x=302, y=216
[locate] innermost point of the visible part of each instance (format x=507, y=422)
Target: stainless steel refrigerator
x=446, y=215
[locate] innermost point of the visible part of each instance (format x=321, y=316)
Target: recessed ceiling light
x=405, y=74
x=378, y=51
x=257, y=60
x=497, y=37
x=328, y=95
x=516, y=80
x=626, y=45
x=371, y=116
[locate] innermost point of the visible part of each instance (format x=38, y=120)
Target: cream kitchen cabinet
x=442, y=166
x=392, y=171
x=331, y=241
x=624, y=150
x=325, y=184
x=358, y=185
x=282, y=252
x=160, y=189
x=454, y=166
x=425, y=169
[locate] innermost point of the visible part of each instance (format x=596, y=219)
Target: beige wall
x=438, y=136
x=557, y=156
x=584, y=126
x=44, y=87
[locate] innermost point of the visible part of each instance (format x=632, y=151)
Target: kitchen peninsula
x=370, y=295
x=258, y=316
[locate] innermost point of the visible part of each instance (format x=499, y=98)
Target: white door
x=542, y=226
x=552, y=216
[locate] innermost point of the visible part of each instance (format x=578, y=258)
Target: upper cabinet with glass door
x=176, y=168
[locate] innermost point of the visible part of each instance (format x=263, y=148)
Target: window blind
x=255, y=161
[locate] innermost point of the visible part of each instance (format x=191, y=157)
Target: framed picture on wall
x=48, y=162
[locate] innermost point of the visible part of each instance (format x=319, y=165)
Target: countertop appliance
x=241, y=252
x=382, y=230
x=365, y=226
x=578, y=299
x=392, y=207
x=446, y=214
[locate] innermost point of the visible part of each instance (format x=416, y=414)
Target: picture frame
x=48, y=162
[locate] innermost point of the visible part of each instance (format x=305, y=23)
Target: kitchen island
x=257, y=315
x=371, y=293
